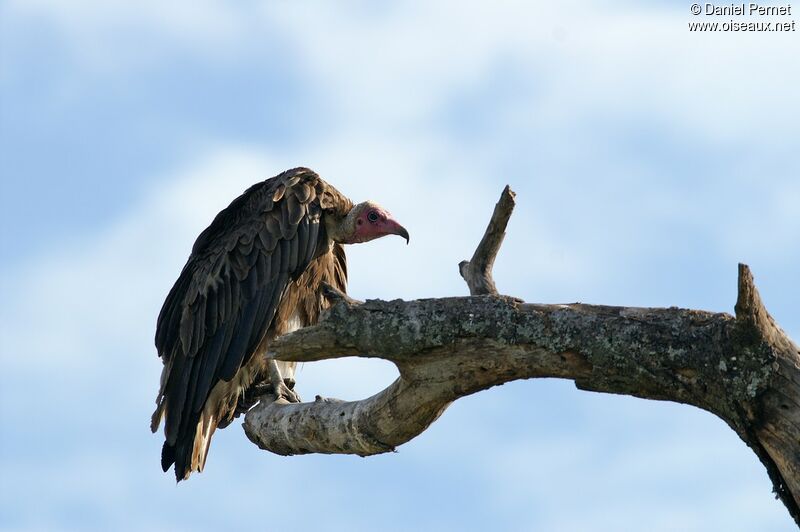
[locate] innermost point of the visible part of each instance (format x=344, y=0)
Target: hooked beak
x=394, y=228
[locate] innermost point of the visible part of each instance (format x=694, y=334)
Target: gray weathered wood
x=743, y=369
x=477, y=272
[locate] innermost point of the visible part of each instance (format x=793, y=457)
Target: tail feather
x=190, y=451
x=188, y=448
x=167, y=456
x=202, y=442
x=158, y=415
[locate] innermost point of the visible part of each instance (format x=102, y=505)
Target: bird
x=257, y=272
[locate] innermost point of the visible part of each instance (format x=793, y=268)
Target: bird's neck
x=341, y=229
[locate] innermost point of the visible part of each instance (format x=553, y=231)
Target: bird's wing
x=227, y=294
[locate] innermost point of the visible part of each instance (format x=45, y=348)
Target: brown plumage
x=253, y=274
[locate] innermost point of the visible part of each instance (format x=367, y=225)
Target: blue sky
x=647, y=161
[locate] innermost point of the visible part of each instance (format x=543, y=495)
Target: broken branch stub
x=477, y=272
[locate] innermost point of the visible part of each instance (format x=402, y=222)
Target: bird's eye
x=372, y=216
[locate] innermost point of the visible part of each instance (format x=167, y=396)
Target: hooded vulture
x=255, y=273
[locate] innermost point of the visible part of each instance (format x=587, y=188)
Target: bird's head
x=368, y=221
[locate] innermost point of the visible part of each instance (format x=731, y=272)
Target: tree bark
x=744, y=369
x=477, y=272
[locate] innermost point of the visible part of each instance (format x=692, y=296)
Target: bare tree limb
x=745, y=369
x=477, y=272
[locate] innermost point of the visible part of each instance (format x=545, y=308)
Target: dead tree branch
x=743, y=369
x=477, y=272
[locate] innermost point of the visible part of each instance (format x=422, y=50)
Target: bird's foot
x=285, y=391
x=281, y=388
x=260, y=391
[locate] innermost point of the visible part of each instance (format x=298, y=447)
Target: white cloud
x=584, y=60
x=119, y=36
x=660, y=461
x=394, y=67
x=565, y=84
x=103, y=289
x=89, y=301
x=765, y=224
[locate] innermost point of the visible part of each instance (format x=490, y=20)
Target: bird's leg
x=334, y=295
x=257, y=391
x=281, y=388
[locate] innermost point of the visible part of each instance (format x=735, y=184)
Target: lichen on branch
x=743, y=369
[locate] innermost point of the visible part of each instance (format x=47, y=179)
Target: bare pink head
x=368, y=221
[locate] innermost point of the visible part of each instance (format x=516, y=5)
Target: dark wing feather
x=227, y=295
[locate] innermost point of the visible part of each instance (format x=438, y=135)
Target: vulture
x=255, y=273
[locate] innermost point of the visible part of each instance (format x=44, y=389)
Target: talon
x=287, y=393
x=282, y=387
